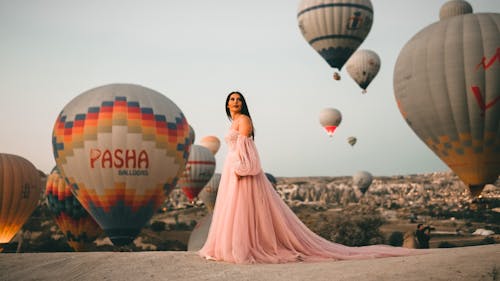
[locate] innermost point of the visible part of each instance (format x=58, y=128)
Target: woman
x=251, y=224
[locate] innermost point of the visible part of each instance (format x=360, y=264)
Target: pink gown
x=252, y=224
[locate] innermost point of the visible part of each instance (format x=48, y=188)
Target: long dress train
x=252, y=224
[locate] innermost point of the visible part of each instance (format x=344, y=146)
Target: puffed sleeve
x=247, y=162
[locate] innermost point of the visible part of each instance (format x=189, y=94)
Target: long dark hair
x=244, y=109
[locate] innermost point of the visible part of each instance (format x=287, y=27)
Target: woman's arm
x=245, y=125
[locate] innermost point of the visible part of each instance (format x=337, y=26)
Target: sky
x=195, y=53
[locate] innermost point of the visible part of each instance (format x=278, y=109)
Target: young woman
x=251, y=224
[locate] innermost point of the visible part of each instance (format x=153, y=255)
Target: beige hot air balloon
x=335, y=28
x=363, y=66
x=330, y=119
x=20, y=190
x=362, y=180
x=211, y=142
x=454, y=8
x=447, y=87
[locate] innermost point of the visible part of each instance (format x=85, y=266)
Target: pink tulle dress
x=252, y=224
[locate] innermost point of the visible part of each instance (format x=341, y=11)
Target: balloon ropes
x=335, y=28
x=447, y=87
x=122, y=148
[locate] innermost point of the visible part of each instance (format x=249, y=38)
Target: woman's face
x=235, y=103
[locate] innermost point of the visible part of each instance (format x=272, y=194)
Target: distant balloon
x=209, y=193
x=211, y=142
x=362, y=180
x=363, y=66
x=454, y=8
x=352, y=140
x=122, y=148
x=19, y=194
x=330, y=119
x=447, y=87
x=335, y=28
x=73, y=220
x=199, y=170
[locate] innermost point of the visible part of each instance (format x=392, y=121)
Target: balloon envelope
x=199, y=170
x=447, y=87
x=330, y=119
x=19, y=194
x=363, y=66
x=335, y=28
x=122, y=148
x=211, y=142
x=73, y=220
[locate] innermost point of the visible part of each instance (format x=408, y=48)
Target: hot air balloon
x=199, y=234
x=335, y=28
x=199, y=170
x=447, y=87
x=192, y=134
x=77, y=225
x=211, y=142
x=271, y=179
x=121, y=147
x=352, y=140
x=209, y=193
x=363, y=180
x=454, y=8
x=19, y=194
x=330, y=118
x=363, y=66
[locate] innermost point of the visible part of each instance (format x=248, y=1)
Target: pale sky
x=195, y=53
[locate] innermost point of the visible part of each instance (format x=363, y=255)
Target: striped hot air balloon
x=335, y=28
x=447, y=87
x=199, y=170
x=19, y=194
x=122, y=148
x=77, y=225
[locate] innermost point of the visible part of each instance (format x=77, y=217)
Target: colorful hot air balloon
x=330, y=118
x=363, y=66
x=19, y=194
x=211, y=142
x=335, y=28
x=122, y=148
x=73, y=220
x=447, y=87
x=199, y=170
x=209, y=193
x=363, y=180
x=352, y=140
